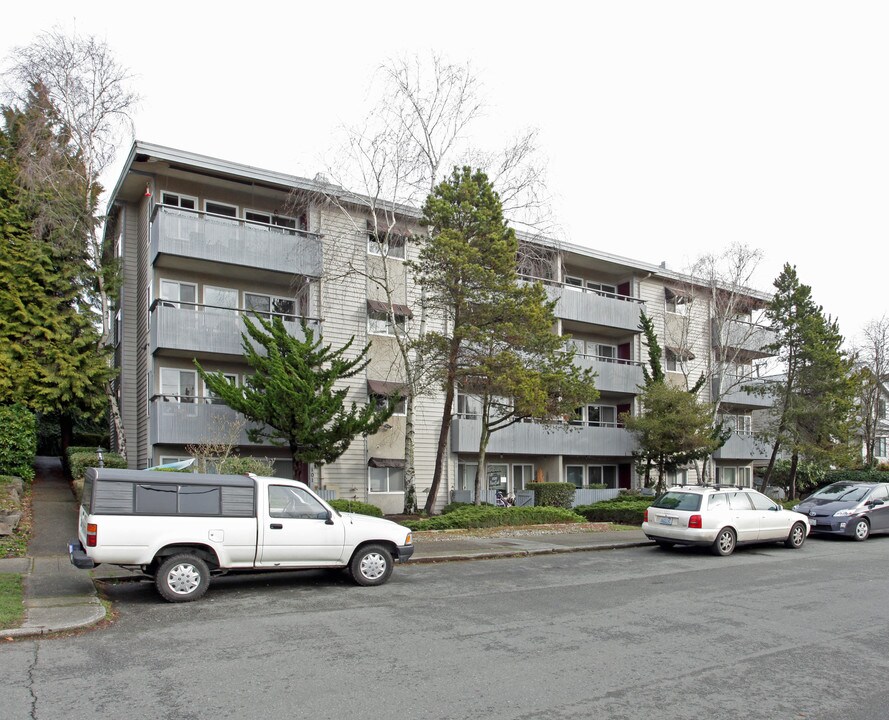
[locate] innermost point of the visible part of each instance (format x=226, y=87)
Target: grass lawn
x=11, y=609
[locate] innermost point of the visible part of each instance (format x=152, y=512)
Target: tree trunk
x=794, y=464
x=445, y=428
x=481, y=477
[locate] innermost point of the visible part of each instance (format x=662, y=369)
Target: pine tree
x=292, y=394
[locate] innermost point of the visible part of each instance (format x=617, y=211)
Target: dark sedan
x=848, y=508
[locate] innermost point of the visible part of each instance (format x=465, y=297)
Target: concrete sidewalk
x=60, y=597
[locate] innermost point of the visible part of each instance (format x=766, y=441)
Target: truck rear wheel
x=371, y=565
x=182, y=578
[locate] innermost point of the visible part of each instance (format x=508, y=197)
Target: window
x=466, y=473
x=676, y=303
x=602, y=288
x=270, y=219
x=212, y=397
x=186, y=202
x=219, y=299
x=291, y=502
x=719, y=501
x=173, y=292
x=677, y=477
x=498, y=477
x=521, y=476
x=386, y=244
x=218, y=208
x=880, y=447
x=741, y=424
x=574, y=475
x=608, y=353
x=602, y=475
x=378, y=323
x=199, y=500
x=385, y=479
x=382, y=402
x=671, y=361
x=575, y=283
x=262, y=305
x=739, y=501
x=468, y=406
x=156, y=499
x=602, y=415
x=178, y=385
x=740, y=476
x=760, y=502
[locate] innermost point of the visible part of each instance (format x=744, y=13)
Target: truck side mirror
x=329, y=520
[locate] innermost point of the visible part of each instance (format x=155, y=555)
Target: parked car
x=722, y=517
x=848, y=508
x=180, y=530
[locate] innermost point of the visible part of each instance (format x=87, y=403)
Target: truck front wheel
x=182, y=578
x=371, y=565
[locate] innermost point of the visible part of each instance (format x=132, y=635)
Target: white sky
x=671, y=128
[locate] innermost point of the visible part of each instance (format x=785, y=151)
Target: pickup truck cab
x=181, y=529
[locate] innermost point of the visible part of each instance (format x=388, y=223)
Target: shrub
x=450, y=507
x=18, y=441
x=356, y=506
x=625, y=509
x=487, y=517
x=241, y=465
x=78, y=462
x=553, y=494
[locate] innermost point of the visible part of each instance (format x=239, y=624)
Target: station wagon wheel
x=797, y=536
x=861, y=530
x=182, y=578
x=724, y=543
x=371, y=565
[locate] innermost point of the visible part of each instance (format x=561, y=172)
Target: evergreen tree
x=292, y=394
x=813, y=417
x=464, y=269
x=48, y=346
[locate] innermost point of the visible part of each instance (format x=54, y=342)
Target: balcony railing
x=596, y=307
x=187, y=233
x=743, y=446
x=185, y=420
x=739, y=394
x=741, y=335
x=197, y=328
x=534, y=438
x=613, y=374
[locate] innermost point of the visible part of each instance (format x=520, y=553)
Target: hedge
x=78, y=462
x=624, y=509
x=355, y=506
x=489, y=517
x=18, y=441
x=553, y=494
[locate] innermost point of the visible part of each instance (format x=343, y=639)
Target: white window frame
x=601, y=468
x=272, y=221
x=602, y=288
x=582, y=475
x=881, y=447
x=234, y=217
x=179, y=395
x=600, y=423
x=466, y=472
x=678, y=304
x=384, y=248
x=378, y=323
x=574, y=282
x=597, y=351
x=525, y=467
x=179, y=198
x=287, y=317
x=382, y=402
x=175, y=302
x=671, y=361
x=212, y=398
x=468, y=406
x=388, y=490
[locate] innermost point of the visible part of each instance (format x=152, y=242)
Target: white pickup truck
x=182, y=528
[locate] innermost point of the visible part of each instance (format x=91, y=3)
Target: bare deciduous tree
x=411, y=138
x=873, y=363
x=90, y=96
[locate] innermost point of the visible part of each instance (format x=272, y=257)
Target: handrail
x=579, y=288
x=158, y=207
x=604, y=358
x=240, y=311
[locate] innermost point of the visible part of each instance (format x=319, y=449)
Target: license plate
x=813, y=521
x=663, y=520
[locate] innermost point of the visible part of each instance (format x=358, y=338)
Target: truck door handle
x=276, y=526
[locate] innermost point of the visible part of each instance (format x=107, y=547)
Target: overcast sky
x=671, y=128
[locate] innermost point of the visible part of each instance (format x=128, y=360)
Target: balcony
x=739, y=335
x=743, y=446
x=532, y=438
x=741, y=397
x=595, y=307
x=203, y=236
x=206, y=329
x=172, y=422
x=613, y=375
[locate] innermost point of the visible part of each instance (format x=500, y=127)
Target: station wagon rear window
x=674, y=500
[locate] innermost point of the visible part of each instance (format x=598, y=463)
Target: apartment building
x=204, y=242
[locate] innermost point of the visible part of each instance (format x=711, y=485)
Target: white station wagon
x=722, y=517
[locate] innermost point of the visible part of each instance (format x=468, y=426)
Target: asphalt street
x=635, y=633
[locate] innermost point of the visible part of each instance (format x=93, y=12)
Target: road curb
x=553, y=550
